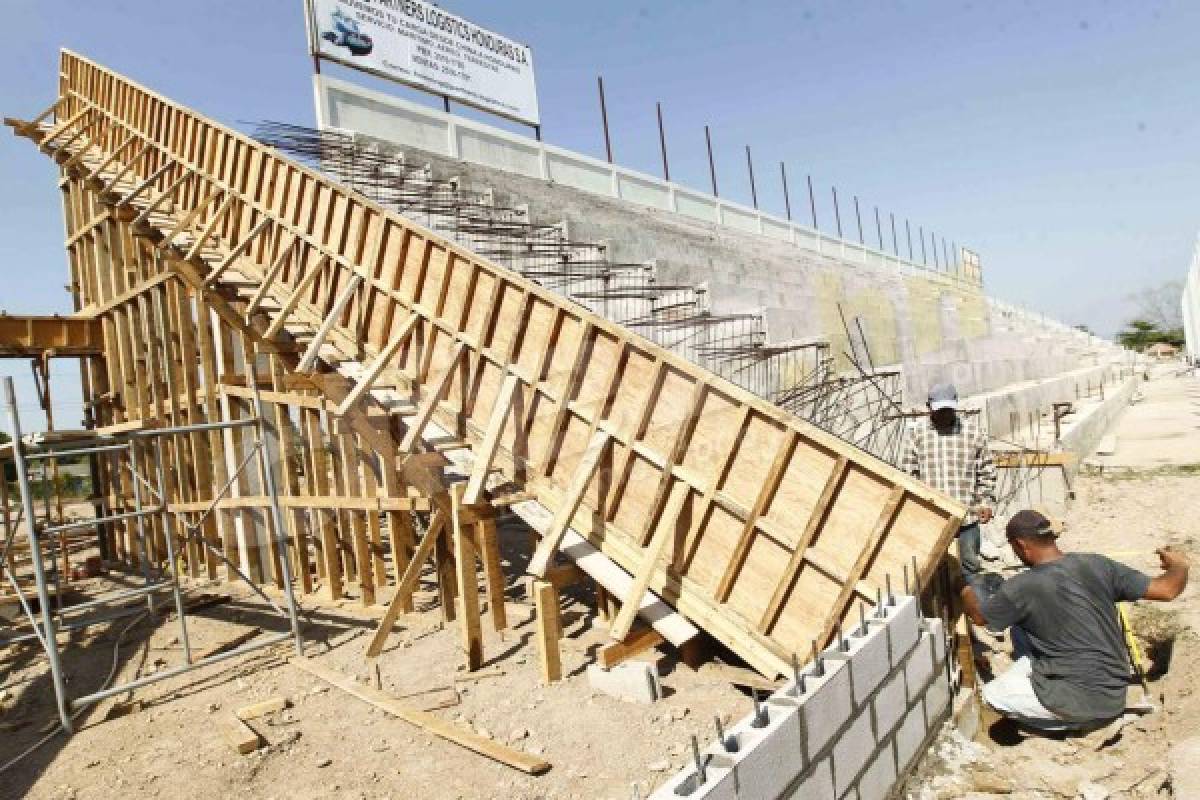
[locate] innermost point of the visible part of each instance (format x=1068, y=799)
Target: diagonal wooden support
x=588, y=464
x=134, y=193
x=486, y=452
x=186, y=221
x=430, y=402
x=142, y=219
x=404, y=586
x=377, y=367
x=268, y=281
x=308, y=361
x=237, y=249
x=297, y=295
x=217, y=218
x=664, y=534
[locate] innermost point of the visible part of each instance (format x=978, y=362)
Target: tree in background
x=1160, y=305
x=1141, y=333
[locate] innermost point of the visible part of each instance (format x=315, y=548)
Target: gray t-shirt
x=1068, y=608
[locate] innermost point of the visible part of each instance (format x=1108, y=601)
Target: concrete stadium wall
x=937, y=326
x=852, y=733
x=1191, y=305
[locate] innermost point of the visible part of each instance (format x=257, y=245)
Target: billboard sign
x=424, y=46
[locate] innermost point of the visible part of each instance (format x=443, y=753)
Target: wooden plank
x=240, y=736
x=430, y=402
x=261, y=709
x=489, y=554
x=467, y=583
x=630, y=645
x=309, y=360
x=663, y=535
x=485, y=453
x=588, y=464
x=545, y=598
x=297, y=295
x=377, y=367
x=427, y=722
x=405, y=584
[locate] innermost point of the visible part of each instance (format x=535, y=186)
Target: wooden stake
x=489, y=554
x=546, y=606
x=468, y=588
x=404, y=587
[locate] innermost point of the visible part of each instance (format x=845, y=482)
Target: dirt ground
x=1124, y=513
x=329, y=744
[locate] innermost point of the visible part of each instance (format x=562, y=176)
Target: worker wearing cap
x=1071, y=668
x=951, y=454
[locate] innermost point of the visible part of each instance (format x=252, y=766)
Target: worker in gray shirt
x=1071, y=667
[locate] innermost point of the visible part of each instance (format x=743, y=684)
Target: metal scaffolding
x=127, y=451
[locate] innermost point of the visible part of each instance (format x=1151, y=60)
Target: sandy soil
x=328, y=744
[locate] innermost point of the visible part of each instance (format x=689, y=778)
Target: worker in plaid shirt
x=952, y=455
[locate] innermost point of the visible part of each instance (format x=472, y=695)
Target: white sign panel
x=419, y=44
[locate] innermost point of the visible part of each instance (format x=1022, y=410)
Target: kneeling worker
x=1071, y=667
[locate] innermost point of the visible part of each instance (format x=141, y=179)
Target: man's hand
x=985, y=514
x=1172, y=559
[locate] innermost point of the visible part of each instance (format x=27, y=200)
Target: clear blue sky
x=1057, y=139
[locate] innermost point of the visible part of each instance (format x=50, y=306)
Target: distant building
x=1162, y=351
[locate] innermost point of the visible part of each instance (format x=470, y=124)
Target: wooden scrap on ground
x=241, y=737
x=256, y=710
x=738, y=676
x=224, y=647
x=637, y=642
x=427, y=722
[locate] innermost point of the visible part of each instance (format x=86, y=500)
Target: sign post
x=423, y=46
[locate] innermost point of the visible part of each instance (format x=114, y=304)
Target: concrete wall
x=852, y=732
x=937, y=326
x=1191, y=305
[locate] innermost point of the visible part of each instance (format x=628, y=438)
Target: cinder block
x=890, y=703
x=877, y=782
x=826, y=706
x=635, y=681
x=910, y=735
x=869, y=661
x=719, y=784
x=816, y=784
x=770, y=757
x=919, y=667
x=937, y=630
x=903, y=622
x=936, y=700
x=851, y=752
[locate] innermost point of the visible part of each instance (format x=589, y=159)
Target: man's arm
x=1170, y=584
x=985, y=479
x=970, y=604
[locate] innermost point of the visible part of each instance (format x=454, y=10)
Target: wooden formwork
x=214, y=265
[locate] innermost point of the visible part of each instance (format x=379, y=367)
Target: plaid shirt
x=956, y=462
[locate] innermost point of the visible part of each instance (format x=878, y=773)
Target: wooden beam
x=261, y=709
x=240, y=736
x=489, y=554
x=588, y=464
x=372, y=373
x=289, y=305
x=34, y=336
x=635, y=643
x=427, y=722
x=663, y=535
x=467, y=581
x=545, y=598
x=485, y=453
x=404, y=586
x=235, y=252
x=430, y=401
x=308, y=361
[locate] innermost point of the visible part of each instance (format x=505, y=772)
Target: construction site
x=419, y=457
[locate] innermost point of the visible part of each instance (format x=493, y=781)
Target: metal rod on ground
x=604, y=119
x=169, y=536
x=750, y=168
x=787, y=201
x=662, y=143
x=49, y=637
x=268, y=465
x=712, y=169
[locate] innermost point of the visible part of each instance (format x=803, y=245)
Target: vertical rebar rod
x=908, y=233
x=712, y=167
x=812, y=204
x=895, y=248
x=49, y=636
x=268, y=467
x=858, y=218
x=837, y=214
x=921, y=236
x=662, y=142
x=169, y=535
x=787, y=201
x=933, y=247
x=604, y=119
x=750, y=169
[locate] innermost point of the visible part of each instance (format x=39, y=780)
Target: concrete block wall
x=859, y=720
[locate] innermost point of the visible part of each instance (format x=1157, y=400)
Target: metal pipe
x=87, y=523
x=35, y=556
x=277, y=516
x=171, y=673
x=712, y=169
x=83, y=451
x=662, y=143
x=169, y=535
x=604, y=119
x=750, y=168
x=199, y=426
x=124, y=594
x=140, y=519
